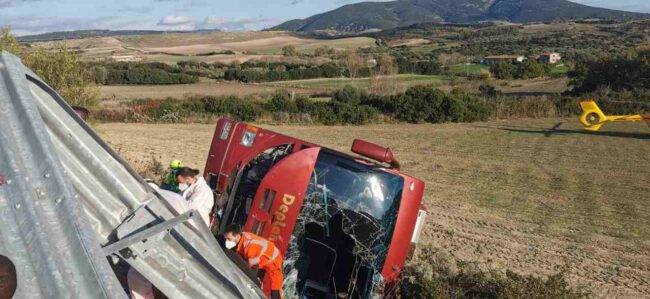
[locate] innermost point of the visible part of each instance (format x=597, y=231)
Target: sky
x=38, y=16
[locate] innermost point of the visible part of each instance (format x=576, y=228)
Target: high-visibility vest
x=259, y=252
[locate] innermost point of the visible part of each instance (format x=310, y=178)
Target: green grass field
x=404, y=80
x=469, y=69
x=559, y=69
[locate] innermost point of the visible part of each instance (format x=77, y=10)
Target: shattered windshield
x=357, y=187
x=347, y=220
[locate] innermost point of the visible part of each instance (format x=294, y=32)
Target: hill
x=384, y=15
x=79, y=34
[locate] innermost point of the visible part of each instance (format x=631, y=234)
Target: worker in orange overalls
x=260, y=253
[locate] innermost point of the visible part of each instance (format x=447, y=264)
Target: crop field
x=532, y=196
x=327, y=84
x=208, y=88
x=466, y=69
x=204, y=47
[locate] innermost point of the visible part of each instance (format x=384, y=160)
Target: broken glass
x=342, y=234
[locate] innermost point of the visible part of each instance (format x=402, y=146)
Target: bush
x=332, y=113
x=62, y=70
x=281, y=102
x=269, y=72
x=348, y=95
x=520, y=70
x=618, y=73
x=488, y=90
x=418, y=104
x=432, y=274
x=289, y=50
x=383, y=103
x=140, y=73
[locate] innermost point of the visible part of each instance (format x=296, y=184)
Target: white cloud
x=230, y=24
x=627, y=5
x=175, y=21
x=31, y=24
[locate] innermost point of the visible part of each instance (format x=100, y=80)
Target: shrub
x=383, y=103
x=488, y=90
x=527, y=69
x=348, y=95
x=471, y=108
x=332, y=113
x=419, y=103
x=618, y=73
x=289, y=50
x=432, y=274
x=62, y=70
x=281, y=102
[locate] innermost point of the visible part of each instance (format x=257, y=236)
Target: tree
x=618, y=73
x=322, y=51
x=382, y=81
x=9, y=43
x=386, y=65
x=348, y=94
x=63, y=72
x=290, y=51
x=504, y=70
x=354, y=62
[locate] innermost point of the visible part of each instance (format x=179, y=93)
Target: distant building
x=496, y=59
x=549, y=58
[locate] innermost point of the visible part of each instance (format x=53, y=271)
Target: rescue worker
x=196, y=192
x=169, y=180
x=261, y=254
x=139, y=286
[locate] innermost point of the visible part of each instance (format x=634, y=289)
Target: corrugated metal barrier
x=68, y=203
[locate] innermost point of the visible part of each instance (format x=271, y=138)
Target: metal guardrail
x=66, y=195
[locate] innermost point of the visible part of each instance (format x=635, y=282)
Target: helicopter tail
x=592, y=118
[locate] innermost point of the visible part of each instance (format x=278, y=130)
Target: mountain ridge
x=385, y=15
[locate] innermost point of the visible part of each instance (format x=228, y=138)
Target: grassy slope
x=510, y=195
x=469, y=69
x=403, y=80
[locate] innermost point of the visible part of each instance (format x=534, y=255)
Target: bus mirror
x=375, y=152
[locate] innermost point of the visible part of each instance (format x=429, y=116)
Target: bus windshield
x=358, y=187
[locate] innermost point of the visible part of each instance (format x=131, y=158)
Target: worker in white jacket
x=197, y=195
x=196, y=191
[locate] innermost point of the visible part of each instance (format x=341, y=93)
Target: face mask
x=183, y=187
x=230, y=244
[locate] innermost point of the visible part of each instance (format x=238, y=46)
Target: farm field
x=328, y=84
x=203, y=47
x=210, y=88
x=225, y=88
x=533, y=196
x=465, y=69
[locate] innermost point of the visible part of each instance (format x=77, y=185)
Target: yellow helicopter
x=592, y=118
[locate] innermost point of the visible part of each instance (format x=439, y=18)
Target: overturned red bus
x=346, y=224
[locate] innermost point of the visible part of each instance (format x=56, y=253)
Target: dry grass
x=537, y=85
x=170, y=48
x=512, y=195
x=211, y=88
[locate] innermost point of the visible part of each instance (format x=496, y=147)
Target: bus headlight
x=225, y=131
x=248, y=138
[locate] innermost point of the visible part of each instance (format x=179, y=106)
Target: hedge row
x=347, y=106
x=283, y=73
x=522, y=70
x=139, y=73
